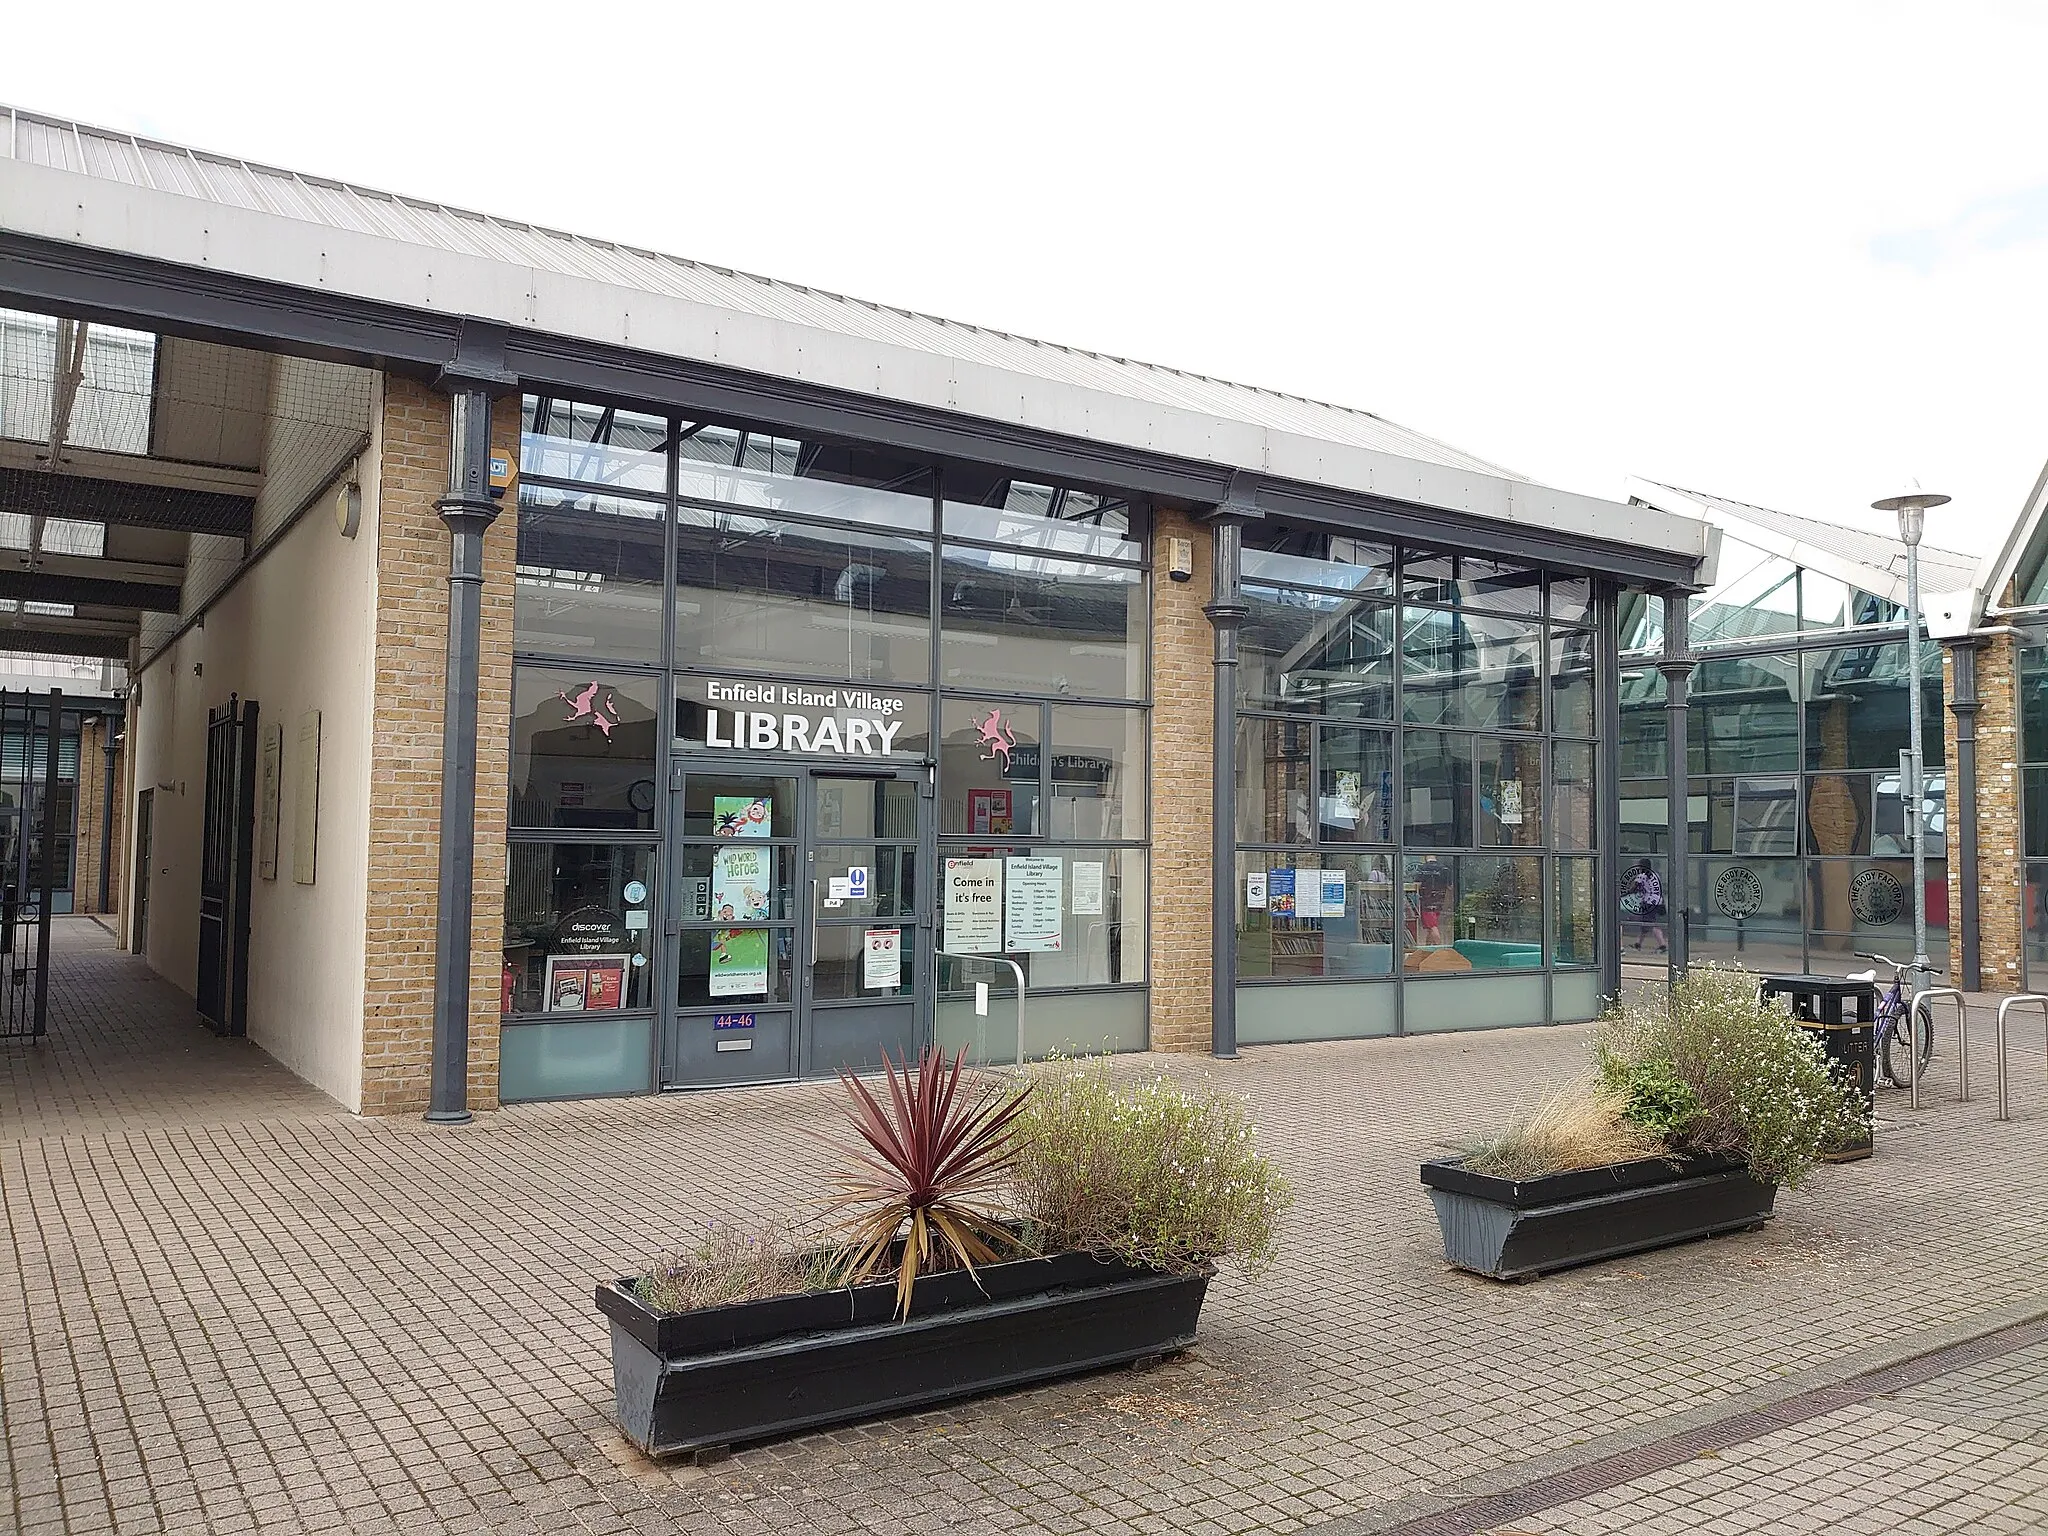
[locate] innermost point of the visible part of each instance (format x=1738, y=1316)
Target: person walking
x=1646, y=894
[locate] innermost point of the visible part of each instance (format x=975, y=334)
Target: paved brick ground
x=227, y=1306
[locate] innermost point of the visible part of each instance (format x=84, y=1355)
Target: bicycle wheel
x=1921, y=1032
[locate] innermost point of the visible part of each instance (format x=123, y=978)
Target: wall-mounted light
x=348, y=509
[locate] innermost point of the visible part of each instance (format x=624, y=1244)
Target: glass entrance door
x=798, y=922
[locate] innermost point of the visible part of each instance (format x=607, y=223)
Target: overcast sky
x=1787, y=253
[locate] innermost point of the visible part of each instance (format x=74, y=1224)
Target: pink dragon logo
x=997, y=737
x=586, y=706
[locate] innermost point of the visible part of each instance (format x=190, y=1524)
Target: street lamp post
x=1911, y=506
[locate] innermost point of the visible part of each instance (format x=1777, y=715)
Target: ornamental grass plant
x=1584, y=1124
x=1711, y=1068
x=727, y=1263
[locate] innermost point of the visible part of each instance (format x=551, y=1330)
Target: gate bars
x=28, y=859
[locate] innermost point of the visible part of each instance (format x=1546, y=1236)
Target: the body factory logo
x=1877, y=897
x=1738, y=892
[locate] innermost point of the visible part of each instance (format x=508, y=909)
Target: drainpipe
x=469, y=511
x=1226, y=610
x=1962, y=783
x=1607, y=776
x=1677, y=667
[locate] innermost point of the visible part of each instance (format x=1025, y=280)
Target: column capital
x=1240, y=503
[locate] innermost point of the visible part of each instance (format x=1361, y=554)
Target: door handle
x=811, y=959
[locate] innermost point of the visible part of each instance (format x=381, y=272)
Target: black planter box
x=1516, y=1229
x=724, y=1375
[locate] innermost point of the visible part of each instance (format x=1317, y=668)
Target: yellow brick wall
x=92, y=792
x=405, y=790
x=1183, y=695
x=2001, y=920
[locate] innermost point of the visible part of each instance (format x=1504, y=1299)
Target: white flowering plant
x=1158, y=1174
x=1714, y=1069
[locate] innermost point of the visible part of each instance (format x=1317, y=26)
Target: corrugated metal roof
x=171, y=168
x=1941, y=570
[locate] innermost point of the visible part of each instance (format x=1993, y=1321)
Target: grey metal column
x=1607, y=779
x=1226, y=610
x=469, y=511
x=1962, y=800
x=1677, y=668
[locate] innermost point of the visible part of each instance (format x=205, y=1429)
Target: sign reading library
x=807, y=719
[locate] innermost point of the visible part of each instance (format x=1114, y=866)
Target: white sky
x=1787, y=253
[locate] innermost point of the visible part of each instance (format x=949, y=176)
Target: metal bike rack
x=2004, y=1109
x=1013, y=965
x=1913, y=1045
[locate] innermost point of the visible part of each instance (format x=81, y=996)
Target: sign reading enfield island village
x=830, y=720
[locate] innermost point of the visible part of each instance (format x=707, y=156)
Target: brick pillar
x=2001, y=881
x=410, y=674
x=92, y=792
x=1183, y=698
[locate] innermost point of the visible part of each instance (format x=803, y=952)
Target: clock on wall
x=641, y=795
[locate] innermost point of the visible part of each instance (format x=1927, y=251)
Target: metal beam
x=46, y=642
x=132, y=469
x=91, y=499
x=40, y=586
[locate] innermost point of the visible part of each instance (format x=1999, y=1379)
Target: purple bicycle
x=1894, y=1030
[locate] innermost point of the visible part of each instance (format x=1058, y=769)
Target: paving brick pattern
x=1967, y=1452
x=228, y=1306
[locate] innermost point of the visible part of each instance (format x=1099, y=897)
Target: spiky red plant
x=923, y=1170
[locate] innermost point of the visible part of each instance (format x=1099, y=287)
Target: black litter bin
x=1842, y=1015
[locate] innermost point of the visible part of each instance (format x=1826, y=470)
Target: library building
x=553, y=668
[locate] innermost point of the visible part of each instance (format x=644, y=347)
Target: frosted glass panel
x=1575, y=996
x=1076, y=1024
x=1319, y=1011
x=1472, y=1002
x=566, y=1061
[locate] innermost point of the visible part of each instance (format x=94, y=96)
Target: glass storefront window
x=1472, y=581
x=1011, y=619
x=762, y=595
x=1741, y=716
x=1748, y=912
x=1470, y=670
x=1355, y=786
x=1310, y=557
x=1574, y=805
x=1858, y=707
x=1645, y=728
x=589, y=577
x=1756, y=596
x=583, y=749
x=1101, y=944
x=1571, y=599
x=1311, y=651
x=1097, y=774
x=766, y=471
x=991, y=505
x=1575, y=913
x=988, y=767
x=1436, y=769
x=594, y=444
x=1571, y=683
x=1473, y=912
x=578, y=926
x=1273, y=764
x=1315, y=914
x=1508, y=787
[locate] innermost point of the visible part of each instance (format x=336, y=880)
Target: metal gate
x=226, y=864
x=31, y=726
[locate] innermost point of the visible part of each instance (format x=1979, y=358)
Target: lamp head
x=1911, y=505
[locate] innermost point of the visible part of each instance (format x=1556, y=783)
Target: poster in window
x=1280, y=892
x=974, y=906
x=1032, y=900
x=989, y=812
x=741, y=815
x=739, y=962
x=739, y=884
x=586, y=983
x=268, y=790
x=1087, y=889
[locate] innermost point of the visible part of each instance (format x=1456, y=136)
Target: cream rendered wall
x=296, y=633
